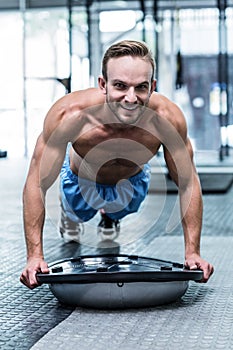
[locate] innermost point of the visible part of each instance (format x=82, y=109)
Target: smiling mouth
x=128, y=108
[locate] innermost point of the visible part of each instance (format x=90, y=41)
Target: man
x=111, y=132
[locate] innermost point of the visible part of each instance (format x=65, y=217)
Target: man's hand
x=34, y=266
x=194, y=262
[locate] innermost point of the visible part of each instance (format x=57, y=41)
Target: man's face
x=128, y=87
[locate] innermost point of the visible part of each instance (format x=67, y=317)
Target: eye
x=120, y=86
x=142, y=87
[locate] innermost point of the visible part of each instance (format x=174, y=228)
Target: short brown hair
x=128, y=48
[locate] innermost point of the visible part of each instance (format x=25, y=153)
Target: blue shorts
x=82, y=198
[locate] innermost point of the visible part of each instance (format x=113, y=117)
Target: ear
x=153, y=86
x=102, y=85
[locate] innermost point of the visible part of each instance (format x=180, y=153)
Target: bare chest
x=121, y=147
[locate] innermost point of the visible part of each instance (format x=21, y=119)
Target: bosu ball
x=117, y=281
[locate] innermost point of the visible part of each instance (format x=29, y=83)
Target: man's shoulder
x=166, y=109
x=66, y=114
x=160, y=103
x=81, y=99
x=74, y=103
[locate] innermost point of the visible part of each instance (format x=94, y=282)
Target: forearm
x=34, y=215
x=191, y=213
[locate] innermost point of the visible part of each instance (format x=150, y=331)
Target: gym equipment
x=117, y=281
x=3, y=153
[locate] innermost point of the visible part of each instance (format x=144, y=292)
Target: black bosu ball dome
x=117, y=281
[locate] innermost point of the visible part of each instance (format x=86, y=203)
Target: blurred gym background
x=52, y=47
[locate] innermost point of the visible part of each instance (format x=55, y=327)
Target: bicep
x=51, y=162
x=179, y=161
x=47, y=160
x=61, y=126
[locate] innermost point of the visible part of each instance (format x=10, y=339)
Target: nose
x=130, y=96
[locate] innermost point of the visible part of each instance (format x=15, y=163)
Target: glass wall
x=46, y=61
x=11, y=84
x=35, y=60
x=187, y=48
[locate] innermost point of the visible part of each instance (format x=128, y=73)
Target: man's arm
x=62, y=125
x=34, y=215
x=44, y=168
x=179, y=160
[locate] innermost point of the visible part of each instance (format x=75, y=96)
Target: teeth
x=129, y=109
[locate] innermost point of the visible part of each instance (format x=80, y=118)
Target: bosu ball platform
x=117, y=281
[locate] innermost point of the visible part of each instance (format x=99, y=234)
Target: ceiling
x=108, y=5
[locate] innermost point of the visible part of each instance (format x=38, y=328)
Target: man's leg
x=71, y=226
x=108, y=228
x=70, y=230
x=121, y=200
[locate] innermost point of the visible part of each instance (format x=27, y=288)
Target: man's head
x=127, y=48
x=128, y=79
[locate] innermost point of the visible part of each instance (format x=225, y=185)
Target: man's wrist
x=35, y=256
x=192, y=253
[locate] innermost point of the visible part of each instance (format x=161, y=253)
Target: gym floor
x=201, y=319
